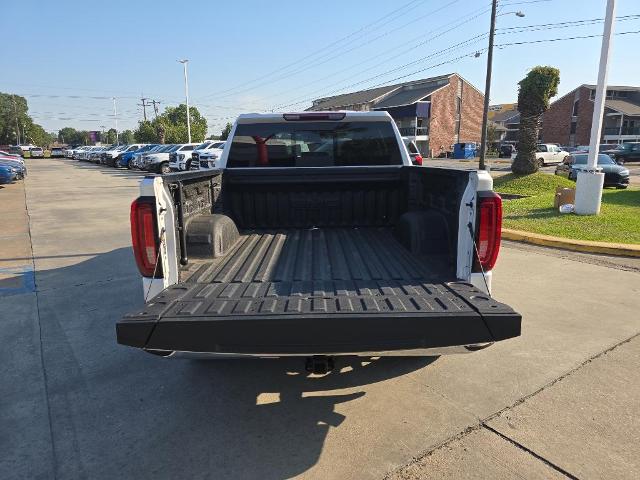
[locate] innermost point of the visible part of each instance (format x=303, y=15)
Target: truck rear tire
x=164, y=168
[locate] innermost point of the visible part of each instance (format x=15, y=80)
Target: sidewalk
x=16, y=263
x=25, y=447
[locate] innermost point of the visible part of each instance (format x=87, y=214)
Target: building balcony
x=611, y=131
x=414, y=132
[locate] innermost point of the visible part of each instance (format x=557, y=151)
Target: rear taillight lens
x=489, y=230
x=144, y=236
x=418, y=159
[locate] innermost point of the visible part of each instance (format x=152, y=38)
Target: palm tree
x=534, y=92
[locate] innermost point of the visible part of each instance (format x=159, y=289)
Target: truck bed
x=318, y=291
x=317, y=255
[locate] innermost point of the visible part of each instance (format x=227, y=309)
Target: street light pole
x=186, y=94
x=487, y=86
x=115, y=116
x=590, y=182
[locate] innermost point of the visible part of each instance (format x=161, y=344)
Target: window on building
x=458, y=105
x=457, y=126
x=575, y=108
x=573, y=127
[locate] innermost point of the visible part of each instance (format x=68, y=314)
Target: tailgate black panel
x=317, y=317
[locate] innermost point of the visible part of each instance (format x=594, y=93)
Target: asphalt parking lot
x=559, y=401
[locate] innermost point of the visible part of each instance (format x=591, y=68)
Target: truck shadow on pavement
x=117, y=412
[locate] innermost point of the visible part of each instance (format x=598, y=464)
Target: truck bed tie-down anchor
x=319, y=364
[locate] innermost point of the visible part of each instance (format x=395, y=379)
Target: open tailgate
x=317, y=317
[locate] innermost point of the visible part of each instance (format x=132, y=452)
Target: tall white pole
x=589, y=184
x=186, y=94
x=115, y=117
x=601, y=87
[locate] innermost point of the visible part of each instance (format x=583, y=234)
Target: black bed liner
x=310, y=291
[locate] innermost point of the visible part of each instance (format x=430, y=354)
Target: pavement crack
x=483, y=423
x=54, y=460
x=531, y=452
x=562, y=377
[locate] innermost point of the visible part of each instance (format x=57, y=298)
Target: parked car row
x=35, y=152
x=553, y=153
x=620, y=153
x=12, y=167
x=152, y=157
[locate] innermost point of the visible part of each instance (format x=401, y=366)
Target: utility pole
x=115, y=117
x=186, y=94
x=155, y=104
x=144, y=106
x=590, y=182
x=487, y=87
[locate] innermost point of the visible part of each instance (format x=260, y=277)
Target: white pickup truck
x=206, y=159
x=160, y=162
x=317, y=237
x=550, y=154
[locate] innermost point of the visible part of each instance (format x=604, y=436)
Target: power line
x=454, y=47
x=432, y=55
x=561, y=39
x=395, y=52
x=224, y=93
x=567, y=24
x=524, y=2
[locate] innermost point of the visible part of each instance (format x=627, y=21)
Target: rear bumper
x=419, y=352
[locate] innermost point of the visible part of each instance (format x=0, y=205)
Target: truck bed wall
x=420, y=204
x=323, y=200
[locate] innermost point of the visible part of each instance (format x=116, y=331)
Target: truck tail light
x=144, y=236
x=488, y=231
x=312, y=117
x=418, y=159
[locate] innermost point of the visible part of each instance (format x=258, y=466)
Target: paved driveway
x=560, y=399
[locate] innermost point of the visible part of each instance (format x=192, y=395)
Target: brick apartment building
x=435, y=112
x=568, y=120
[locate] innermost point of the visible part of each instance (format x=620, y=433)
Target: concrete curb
x=620, y=249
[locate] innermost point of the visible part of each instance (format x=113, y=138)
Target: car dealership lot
x=560, y=399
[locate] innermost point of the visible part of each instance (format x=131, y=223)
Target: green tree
x=37, y=135
x=13, y=118
x=146, y=132
x=171, y=126
x=174, y=120
x=126, y=136
x=226, y=131
x=108, y=137
x=71, y=136
x=534, y=93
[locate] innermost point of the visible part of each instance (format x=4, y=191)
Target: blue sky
x=252, y=55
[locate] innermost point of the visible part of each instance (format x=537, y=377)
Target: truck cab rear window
x=314, y=144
